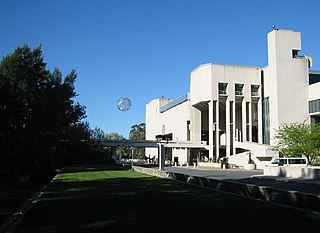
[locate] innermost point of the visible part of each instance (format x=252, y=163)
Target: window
x=231, y=111
x=314, y=77
x=247, y=121
x=295, y=53
x=314, y=106
x=188, y=130
x=266, y=121
x=297, y=161
x=315, y=120
x=223, y=88
x=255, y=90
x=239, y=89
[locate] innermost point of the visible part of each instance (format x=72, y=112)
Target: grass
x=106, y=199
x=14, y=194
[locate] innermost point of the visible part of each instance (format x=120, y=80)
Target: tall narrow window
x=188, y=130
x=247, y=112
x=231, y=111
x=248, y=121
x=231, y=127
x=266, y=121
x=254, y=121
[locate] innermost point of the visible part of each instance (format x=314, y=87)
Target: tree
x=298, y=139
x=36, y=109
x=138, y=132
x=97, y=133
x=114, y=135
x=125, y=152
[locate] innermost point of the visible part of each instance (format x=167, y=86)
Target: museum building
x=232, y=110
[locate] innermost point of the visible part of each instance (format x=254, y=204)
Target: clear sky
x=145, y=49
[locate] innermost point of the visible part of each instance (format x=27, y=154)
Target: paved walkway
x=254, y=177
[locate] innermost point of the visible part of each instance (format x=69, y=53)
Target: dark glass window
x=223, y=88
x=254, y=90
x=314, y=77
x=314, y=106
x=239, y=89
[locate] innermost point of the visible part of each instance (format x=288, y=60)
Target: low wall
x=296, y=199
x=207, y=164
x=293, y=172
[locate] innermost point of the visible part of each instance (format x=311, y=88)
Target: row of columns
x=161, y=155
x=214, y=125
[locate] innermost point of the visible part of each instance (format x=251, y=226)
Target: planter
x=250, y=166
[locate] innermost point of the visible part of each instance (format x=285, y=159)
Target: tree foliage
x=298, y=139
x=124, y=151
x=113, y=135
x=138, y=132
x=97, y=133
x=36, y=109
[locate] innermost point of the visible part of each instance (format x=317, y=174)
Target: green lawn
x=13, y=195
x=101, y=199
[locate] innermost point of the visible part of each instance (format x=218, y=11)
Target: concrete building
x=232, y=110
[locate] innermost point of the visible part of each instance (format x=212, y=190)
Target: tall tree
x=138, y=132
x=125, y=152
x=36, y=109
x=298, y=139
x=97, y=133
x=114, y=135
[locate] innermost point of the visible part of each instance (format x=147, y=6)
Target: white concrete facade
x=174, y=121
x=236, y=109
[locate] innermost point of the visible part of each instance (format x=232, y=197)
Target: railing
x=175, y=102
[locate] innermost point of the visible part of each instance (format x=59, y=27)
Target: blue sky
x=145, y=49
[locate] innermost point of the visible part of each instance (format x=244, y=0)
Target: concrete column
x=120, y=155
x=161, y=152
x=217, y=129
x=211, y=128
x=227, y=127
x=114, y=152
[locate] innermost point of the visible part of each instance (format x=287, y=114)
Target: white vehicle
x=290, y=162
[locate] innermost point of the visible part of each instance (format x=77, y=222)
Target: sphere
x=124, y=104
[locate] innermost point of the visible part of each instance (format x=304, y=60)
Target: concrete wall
x=283, y=77
x=205, y=78
x=314, y=91
x=293, y=172
x=200, y=84
x=172, y=121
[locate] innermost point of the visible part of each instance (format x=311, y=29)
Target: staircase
x=261, y=154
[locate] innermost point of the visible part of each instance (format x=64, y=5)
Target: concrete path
x=253, y=177
x=229, y=174
x=299, y=193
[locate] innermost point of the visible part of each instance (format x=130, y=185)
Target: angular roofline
x=219, y=64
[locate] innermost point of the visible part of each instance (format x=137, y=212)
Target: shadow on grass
x=126, y=201
x=14, y=194
x=91, y=168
